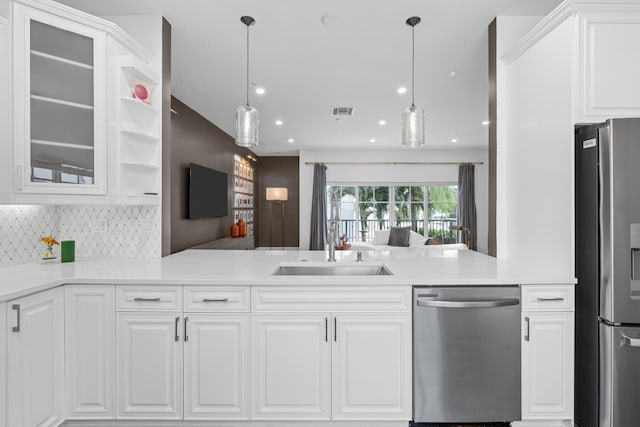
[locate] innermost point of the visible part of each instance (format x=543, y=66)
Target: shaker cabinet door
x=372, y=367
x=547, y=365
x=291, y=367
x=90, y=354
x=216, y=366
x=149, y=365
x=35, y=360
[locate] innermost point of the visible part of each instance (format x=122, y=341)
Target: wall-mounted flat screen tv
x=207, y=192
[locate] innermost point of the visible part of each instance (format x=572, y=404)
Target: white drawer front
x=331, y=298
x=216, y=298
x=148, y=298
x=548, y=298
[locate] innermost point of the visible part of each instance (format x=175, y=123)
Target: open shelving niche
x=243, y=192
x=139, y=145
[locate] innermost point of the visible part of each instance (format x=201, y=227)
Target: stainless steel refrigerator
x=607, y=235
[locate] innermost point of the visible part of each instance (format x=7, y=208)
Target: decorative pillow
x=416, y=239
x=433, y=241
x=381, y=237
x=399, y=236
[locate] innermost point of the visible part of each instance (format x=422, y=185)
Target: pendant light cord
x=413, y=65
x=247, y=65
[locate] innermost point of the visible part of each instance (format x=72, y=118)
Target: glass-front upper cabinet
x=59, y=105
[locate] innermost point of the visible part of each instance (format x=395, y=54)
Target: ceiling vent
x=341, y=111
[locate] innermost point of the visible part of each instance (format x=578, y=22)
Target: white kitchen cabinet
x=291, y=360
x=3, y=364
x=609, y=57
x=90, y=356
x=35, y=359
x=59, y=105
x=331, y=353
x=547, y=352
x=149, y=365
x=216, y=366
x=371, y=366
x=173, y=364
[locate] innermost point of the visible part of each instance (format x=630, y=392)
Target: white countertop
x=242, y=267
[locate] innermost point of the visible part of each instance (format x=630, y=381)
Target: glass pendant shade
x=413, y=127
x=246, y=126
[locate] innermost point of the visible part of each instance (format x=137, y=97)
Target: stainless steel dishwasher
x=466, y=354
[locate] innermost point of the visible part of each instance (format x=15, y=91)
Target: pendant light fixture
x=247, y=116
x=413, y=117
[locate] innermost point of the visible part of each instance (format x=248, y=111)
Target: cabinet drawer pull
x=550, y=299
x=186, y=336
x=177, y=337
x=215, y=299
x=526, y=334
x=16, y=307
x=140, y=299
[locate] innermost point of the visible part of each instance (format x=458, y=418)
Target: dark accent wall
x=166, y=137
x=196, y=140
x=279, y=172
x=491, y=230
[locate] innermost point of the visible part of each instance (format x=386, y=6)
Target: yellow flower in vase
x=49, y=241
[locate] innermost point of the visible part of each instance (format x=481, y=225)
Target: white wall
x=393, y=174
x=510, y=29
x=535, y=157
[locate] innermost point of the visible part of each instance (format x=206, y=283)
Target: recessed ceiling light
x=452, y=74
x=290, y=140
x=382, y=122
x=329, y=20
x=485, y=123
x=454, y=140
x=402, y=90
x=279, y=122
x=260, y=90
x=372, y=140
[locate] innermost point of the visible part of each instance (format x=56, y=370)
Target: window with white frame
x=428, y=209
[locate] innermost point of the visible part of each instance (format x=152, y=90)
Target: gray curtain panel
x=319, y=208
x=467, y=200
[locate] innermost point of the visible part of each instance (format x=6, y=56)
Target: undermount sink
x=332, y=270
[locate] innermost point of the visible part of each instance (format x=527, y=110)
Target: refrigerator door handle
x=631, y=342
x=633, y=263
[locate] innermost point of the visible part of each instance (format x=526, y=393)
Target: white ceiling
x=307, y=67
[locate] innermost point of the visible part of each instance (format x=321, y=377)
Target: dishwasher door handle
x=468, y=304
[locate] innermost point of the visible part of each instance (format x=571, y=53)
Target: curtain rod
x=394, y=163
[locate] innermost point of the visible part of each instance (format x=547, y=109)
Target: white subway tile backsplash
x=109, y=231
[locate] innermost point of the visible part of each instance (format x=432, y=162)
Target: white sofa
x=416, y=242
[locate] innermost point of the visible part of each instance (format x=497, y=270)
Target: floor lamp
x=277, y=195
